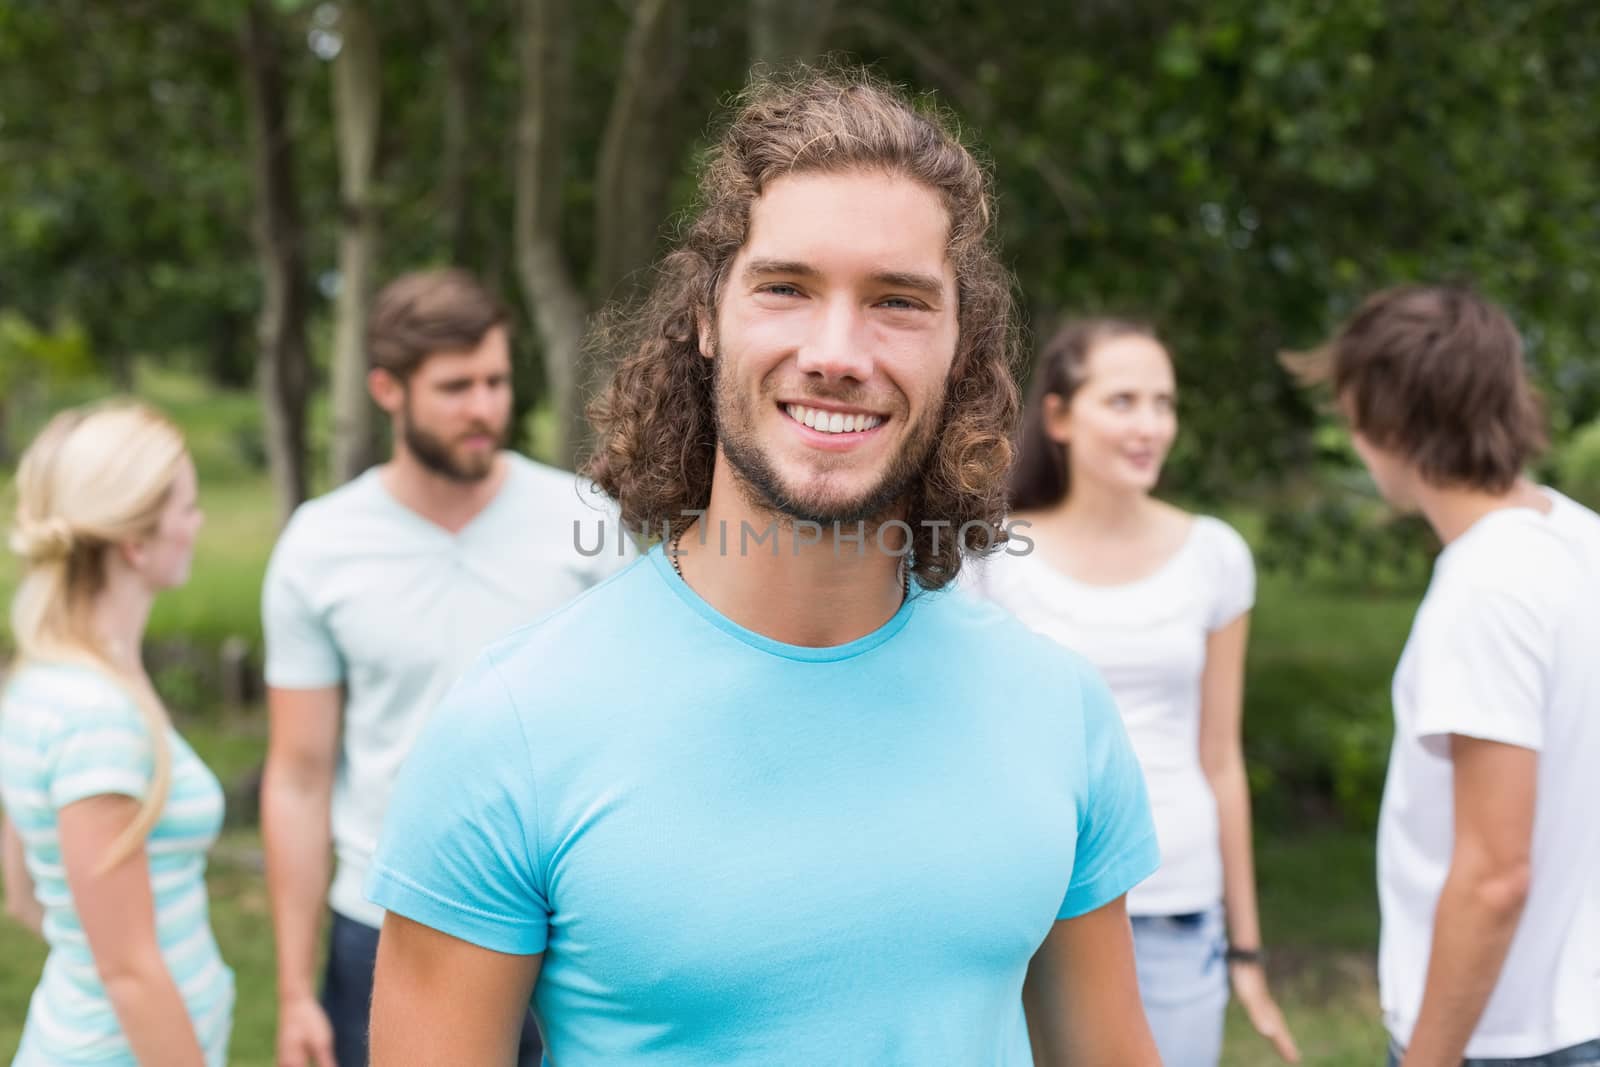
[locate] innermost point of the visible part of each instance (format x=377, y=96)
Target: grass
x=1319, y=921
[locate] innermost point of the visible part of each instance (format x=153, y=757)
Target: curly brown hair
x=655, y=424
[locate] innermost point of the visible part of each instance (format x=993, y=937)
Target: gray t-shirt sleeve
x=300, y=649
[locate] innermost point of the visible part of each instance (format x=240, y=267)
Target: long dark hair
x=1039, y=479
x=654, y=421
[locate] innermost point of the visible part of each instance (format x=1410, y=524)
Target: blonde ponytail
x=93, y=478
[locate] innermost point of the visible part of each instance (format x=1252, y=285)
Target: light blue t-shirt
x=68, y=733
x=736, y=851
x=363, y=592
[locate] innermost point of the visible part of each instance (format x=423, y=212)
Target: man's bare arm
x=1481, y=904
x=437, y=999
x=296, y=801
x=1081, y=995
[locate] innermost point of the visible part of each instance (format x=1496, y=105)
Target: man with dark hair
x=376, y=597
x=1488, y=848
x=769, y=797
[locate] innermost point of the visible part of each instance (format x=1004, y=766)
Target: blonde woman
x=114, y=810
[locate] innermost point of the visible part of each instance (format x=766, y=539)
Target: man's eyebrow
x=927, y=284
x=757, y=268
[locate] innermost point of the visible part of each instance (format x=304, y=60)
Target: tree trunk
x=284, y=369
x=636, y=152
x=454, y=214
x=356, y=86
x=558, y=308
x=781, y=32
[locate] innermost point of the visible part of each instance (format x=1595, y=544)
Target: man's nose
x=482, y=401
x=836, y=347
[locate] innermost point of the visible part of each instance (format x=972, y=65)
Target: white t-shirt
x=1148, y=640
x=1505, y=647
x=363, y=591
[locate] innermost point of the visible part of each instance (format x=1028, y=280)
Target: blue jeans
x=1584, y=1055
x=347, y=995
x=1183, y=981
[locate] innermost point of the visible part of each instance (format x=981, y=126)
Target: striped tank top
x=68, y=733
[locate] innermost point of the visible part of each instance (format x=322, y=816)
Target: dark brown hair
x=428, y=311
x=1435, y=374
x=1040, y=478
x=656, y=433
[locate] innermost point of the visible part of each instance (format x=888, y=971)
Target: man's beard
x=434, y=452
x=763, y=487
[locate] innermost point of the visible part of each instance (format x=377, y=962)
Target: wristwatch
x=1236, y=954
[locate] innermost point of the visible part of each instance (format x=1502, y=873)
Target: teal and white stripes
x=68, y=733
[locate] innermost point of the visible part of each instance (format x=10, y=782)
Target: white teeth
x=831, y=421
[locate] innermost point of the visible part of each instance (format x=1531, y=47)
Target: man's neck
x=1452, y=512
x=443, y=501
x=763, y=572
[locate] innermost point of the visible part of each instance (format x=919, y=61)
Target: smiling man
x=784, y=801
x=377, y=597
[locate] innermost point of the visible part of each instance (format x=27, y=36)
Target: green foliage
x=1578, y=465
x=1242, y=173
x=29, y=355
x=1318, y=717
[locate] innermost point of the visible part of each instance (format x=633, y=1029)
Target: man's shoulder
x=585, y=629
x=542, y=485
x=313, y=521
x=1525, y=556
x=980, y=630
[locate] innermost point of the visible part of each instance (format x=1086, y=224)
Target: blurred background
x=198, y=198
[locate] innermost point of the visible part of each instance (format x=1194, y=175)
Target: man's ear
x=387, y=391
x=703, y=334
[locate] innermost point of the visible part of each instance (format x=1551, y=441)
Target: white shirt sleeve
x=601, y=523
x=1482, y=670
x=301, y=652
x=1235, y=575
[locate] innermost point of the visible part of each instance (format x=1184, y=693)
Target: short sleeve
x=104, y=749
x=301, y=652
x=1116, y=835
x=459, y=846
x=1481, y=670
x=1235, y=576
